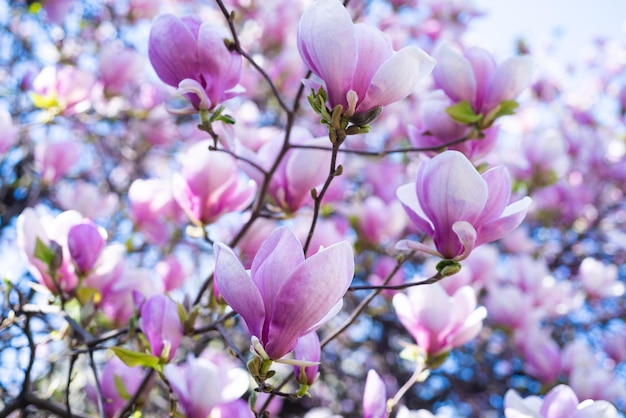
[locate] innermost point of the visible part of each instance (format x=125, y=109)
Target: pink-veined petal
x=237, y=288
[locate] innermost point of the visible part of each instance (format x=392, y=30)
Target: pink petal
x=508, y=81
x=237, y=288
x=454, y=74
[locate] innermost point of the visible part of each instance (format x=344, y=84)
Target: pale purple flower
x=437, y=321
x=85, y=242
x=153, y=209
x=374, y=396
x=356, y=62
x=161, y=325
x=542, y=355
x=210, y=185
x=119, y=66
x=53, y=233
x=86, y=198
x=458, y=207
x=201, y=384
x=116, y=376
x=172, y=272
x=54, y=159
x=284, y=296
x=8, y=131
x=600, y=280
x=191, y=55
x=67, y=89
x=379, y=222
x=307, y=349
x=299, y=171
x=560, y=402
x=477, y=78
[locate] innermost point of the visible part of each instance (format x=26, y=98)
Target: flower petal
x=308, y=295
x=237, y=288
x=454, y=74
x=172, y=50
x=397, y=77
x=510, y=219
x=327, y=44
x=509, y=80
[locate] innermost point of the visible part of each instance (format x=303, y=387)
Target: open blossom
x=475, y=77
x=284, y=296
x=190, y=55
x=298, y=172
x=458, y=207
x=67, y=89
x=210, y=185
x=560, y=402
x=54, y=159
x=161, y=325
x=356, y=62
x=437, y=321
x=204, y=383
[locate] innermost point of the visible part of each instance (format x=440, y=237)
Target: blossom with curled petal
x=438, y=321
x=284, y=296
x=458, y=207
x=190, y=55
x=356, y=62
x=560, y=402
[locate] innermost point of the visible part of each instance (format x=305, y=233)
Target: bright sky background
x=572, y=23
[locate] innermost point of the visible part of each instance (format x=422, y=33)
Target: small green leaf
x=43, y=252
x=462, y=112
x=227, y=119
x=507, y=107
x=86, y=294
x=121, y=388
x=132, y=358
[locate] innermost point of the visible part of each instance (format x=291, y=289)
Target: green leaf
x=121, y=388
x=132, y=358
x=43, y=252
x=86, y=294
x=507, y=107
x=462, y=112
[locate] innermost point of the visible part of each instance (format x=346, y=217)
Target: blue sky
x=572, y=23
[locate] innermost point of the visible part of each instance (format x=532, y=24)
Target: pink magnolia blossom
x=210, y=185
x=560, y=402
x=284, y=296
x=477, y=78
x=172, y=272
x=362, y=72
x=8, y=131
x=153, y=209
x=115, y=376
x=87, y=199
x=190, y=55
x=85, y=242
x=374, y=396
x=119, y=66
x=379, y=222
x=437, y=321
x=67, y=90
x=299, y=171
x=308, y=349
x=599, y=280
x=458, y=207
x=53, y=159
x=161, y=325
x=542, y=355
x=202, y=384
x=53, y=233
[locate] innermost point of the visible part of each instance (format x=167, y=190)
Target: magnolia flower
x=161, y=325
x=191, y=55
x=210, y=185
x=374, y=396
x=202, y=384
x=458, y=207
x=356, y=62
x=437, y=321
x=307, y=349
x=284, y=296
x=476, y=78
x=560, y=402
